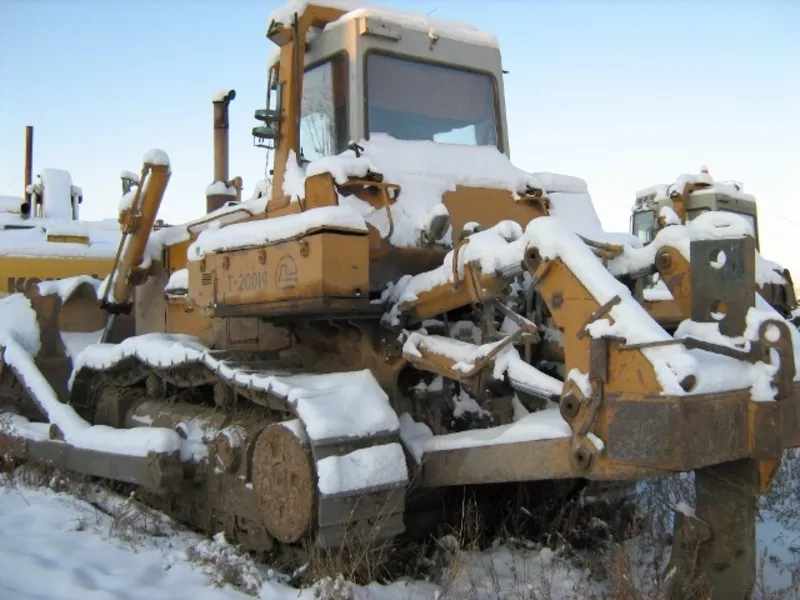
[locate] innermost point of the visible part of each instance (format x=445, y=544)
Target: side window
x=643, y=225
x=323, y=118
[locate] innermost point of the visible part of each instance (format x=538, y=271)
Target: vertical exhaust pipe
x=221, y=126
x=25, y=209
x=216, y=195
x=28, y=159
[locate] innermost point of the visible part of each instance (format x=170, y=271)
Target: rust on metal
x=682, y=573
x=601, y=312
x=726, y=497
x=726, y=269
x=215, y=201
x=316, y=304
x=28, y=162
x=284, y=481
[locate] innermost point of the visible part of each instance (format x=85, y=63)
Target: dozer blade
x=21, y=439
x=34, y=390
x=728, y=430
x=58, y=319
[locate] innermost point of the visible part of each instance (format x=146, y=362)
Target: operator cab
x=383, y=71
x=724, y=197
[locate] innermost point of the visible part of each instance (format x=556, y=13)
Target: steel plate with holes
x=723, y=282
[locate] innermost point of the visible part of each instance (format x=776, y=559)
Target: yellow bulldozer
x=408, y=313
x=681, y=202
x=42, y=237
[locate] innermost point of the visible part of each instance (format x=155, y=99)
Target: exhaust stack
x=25, y=209
x=221, y=190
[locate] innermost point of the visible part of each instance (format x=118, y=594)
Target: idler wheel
x=284, y=483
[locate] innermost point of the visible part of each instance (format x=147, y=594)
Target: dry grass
x=361, y=557
x=132, y=521
x=631, y=568
x=530, y=554
x=111, y=515
x=225, y=564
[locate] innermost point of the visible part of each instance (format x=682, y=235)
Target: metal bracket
x=723, y=282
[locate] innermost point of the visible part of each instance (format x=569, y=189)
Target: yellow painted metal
x=68, y=239
x=138, y=224
x=19, y=273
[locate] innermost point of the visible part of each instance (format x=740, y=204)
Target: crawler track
x=259, y=458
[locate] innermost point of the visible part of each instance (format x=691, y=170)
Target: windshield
x=643, y=225
x=414, y=100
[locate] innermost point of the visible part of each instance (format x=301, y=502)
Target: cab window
x=410, y=99
x=323, y=117
x=643, y=225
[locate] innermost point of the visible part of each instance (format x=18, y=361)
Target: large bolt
x=688, y=383
x=532, y=259
x=569, y=405
x=663, y=261
x=557, y=300
x=582, y=458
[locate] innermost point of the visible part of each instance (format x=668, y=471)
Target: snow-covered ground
x=90, y=544
x=57, y=546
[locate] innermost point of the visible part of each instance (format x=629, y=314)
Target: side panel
x=176, y=255
x=488, y=207
x=19, y=273
x=183, y=317
x=150, y=303
x=315, y=267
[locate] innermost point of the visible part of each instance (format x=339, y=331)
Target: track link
x=270, y=460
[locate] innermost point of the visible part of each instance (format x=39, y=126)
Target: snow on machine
x=410, y=312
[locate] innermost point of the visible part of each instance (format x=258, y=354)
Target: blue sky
x=624, y=94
